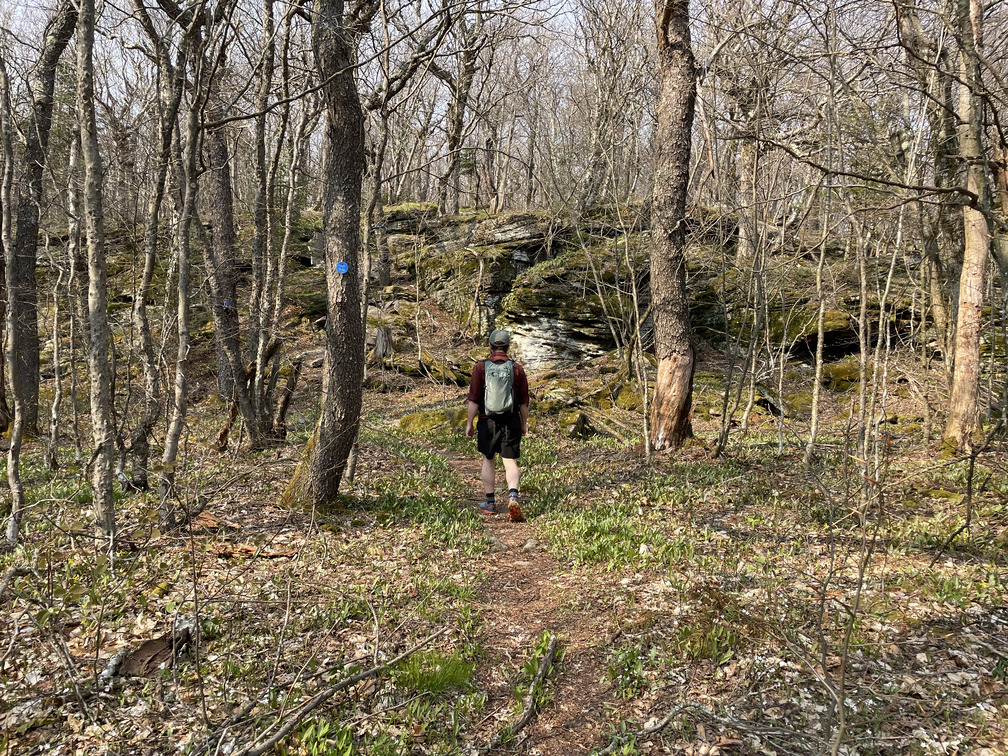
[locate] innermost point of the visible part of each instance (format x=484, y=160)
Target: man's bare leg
x=488, y=474
x=512, y=472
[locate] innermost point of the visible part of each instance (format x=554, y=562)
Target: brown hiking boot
x=515, y=511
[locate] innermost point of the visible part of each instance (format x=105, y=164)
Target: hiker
x=498, y=393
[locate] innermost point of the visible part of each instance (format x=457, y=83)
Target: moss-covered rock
x=555, y=395
x=565, y=309
x=444, y=370
x=600, y=399
x=629, y=398
x=426, y=422
x=575, y=424
x=843, y=375
x=799, y=402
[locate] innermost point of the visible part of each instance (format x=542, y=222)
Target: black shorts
x=499, y=435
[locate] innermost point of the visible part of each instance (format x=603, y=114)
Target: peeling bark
x=673, y=390
x=963, y=419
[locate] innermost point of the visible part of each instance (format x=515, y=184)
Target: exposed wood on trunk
x=963, y=409
x=283, y=404
x=673, y=390
x=249, y=374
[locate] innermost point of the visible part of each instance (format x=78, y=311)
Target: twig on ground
x=107, y=674
x=618, y=739
x=12, y=573
x=260, y=746
x=511, y=730
x=280, y=640
x=699, y=710
x=13, y=640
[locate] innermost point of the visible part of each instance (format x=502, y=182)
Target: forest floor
x=743, y=604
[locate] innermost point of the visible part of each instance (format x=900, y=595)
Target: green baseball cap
x=500, y=338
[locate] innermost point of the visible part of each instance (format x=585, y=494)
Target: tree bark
x=24, y=367
x=963, y=418
x=221, y=274
x=220, y=257
x=317, y=477
x=673, y=390
x=99, y=365
x=7, y=236
x=187, y=178
x=170, y=86
x=473, y=39
x=263, y=247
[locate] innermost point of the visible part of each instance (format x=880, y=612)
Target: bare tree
x=24, y=370
x=7, y=238
x=471, y=38
x=673, y=390
x=317, y=477
x=170, y=81
x=963, y=408
x=99, y=365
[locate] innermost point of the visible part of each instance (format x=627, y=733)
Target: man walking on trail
x=498, y=393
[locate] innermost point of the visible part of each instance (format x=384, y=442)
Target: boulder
x=628, y=397
x=558, y=311
x=843, y=375
x=575, y=424
x=555, y=395
x=426, y=422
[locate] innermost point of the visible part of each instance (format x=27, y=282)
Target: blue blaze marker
x=342, y=267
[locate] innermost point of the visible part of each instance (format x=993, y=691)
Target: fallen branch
x=12, y=573
x=104, y=682
x=260, y=746
x=213, y=739
x=510, y=731
x=699, y=710
x=619, y=740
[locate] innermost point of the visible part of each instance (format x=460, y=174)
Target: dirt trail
x=526, y=593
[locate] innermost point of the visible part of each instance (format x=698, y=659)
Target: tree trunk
x=220, y=257
x=317, y=477
x=170, y=85
x=7, y=237
x=52, y=445
x=298, y=144
x=99, y=365
x=187, y=178
x=673, y=390
x=221, y=274
x=748, y=235
x=263, y=248
x=24, y=367
x=461, y=86
x=963, y=410
x=6, y=233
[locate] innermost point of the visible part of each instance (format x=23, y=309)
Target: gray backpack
x=498, y=391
